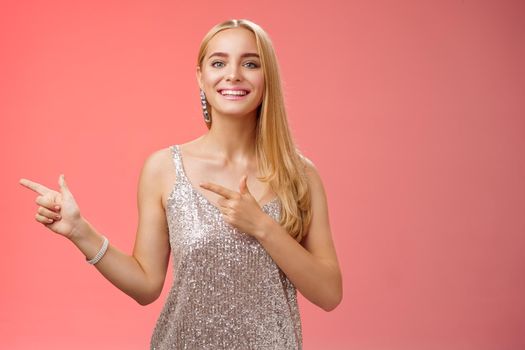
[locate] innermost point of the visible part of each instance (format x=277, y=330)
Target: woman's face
x=231, y=75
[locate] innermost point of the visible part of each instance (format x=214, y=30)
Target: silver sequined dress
x=227, y=292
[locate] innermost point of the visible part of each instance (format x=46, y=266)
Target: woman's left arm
x=311, y=265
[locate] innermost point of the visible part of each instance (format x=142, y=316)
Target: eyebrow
x=224, y=54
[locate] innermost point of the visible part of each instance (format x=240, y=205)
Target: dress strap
x=177, y=161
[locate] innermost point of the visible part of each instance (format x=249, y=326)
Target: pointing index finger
x=220, y=190
x=38, y=188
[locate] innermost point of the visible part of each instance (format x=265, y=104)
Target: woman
x=240, y=248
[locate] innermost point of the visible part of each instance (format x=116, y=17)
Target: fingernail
x=49, y=220
x=57, y=207
x=58, y=217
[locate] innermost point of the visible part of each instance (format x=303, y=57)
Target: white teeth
x=234, y=92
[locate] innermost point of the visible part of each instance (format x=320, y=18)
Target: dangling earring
x=207, y=118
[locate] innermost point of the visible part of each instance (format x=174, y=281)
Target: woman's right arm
x=140, y=275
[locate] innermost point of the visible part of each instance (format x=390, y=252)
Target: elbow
x=333, y=298
x=330, y=307
x=144, y=301
x=147, y=298
x=331, y=304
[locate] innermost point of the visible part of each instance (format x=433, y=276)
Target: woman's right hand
x=63, y=220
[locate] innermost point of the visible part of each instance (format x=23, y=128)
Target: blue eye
x=250, y=65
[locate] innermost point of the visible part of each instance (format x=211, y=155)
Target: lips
x=233, y=92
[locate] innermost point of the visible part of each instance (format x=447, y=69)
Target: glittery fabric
x=227, y=292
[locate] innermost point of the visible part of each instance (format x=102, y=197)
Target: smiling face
x=231, y=74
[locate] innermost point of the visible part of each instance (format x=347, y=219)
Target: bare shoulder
x=312, y=174
x=318, y=240
x=158, y=173
x=317, y=189
x=158, y=160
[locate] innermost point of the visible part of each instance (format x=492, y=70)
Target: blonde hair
x=282, y=164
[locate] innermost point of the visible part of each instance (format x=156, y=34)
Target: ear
x=198, y=75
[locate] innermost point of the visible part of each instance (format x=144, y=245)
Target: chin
x=236, y=112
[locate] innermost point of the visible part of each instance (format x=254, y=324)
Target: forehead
x=233, y=41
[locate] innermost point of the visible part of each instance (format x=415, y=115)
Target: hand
x=58, y=211
x=239, y=209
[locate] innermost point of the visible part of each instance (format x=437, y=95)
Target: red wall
x=413, y=111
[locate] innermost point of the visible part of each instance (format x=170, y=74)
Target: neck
x=231, y=137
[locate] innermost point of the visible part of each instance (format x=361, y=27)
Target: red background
x=413, y=112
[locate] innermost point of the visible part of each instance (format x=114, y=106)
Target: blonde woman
x=241, y=211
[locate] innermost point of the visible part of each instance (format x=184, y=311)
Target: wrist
x=80, y=230
x=265, y=228
x=92, y=244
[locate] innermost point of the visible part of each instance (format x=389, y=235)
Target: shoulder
x=318, y=196
x=158, y=160
x=158, y=167
x=156, y=174
x=311, y=171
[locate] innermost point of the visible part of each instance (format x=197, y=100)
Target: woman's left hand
x=239, y=209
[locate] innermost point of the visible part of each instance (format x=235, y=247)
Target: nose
x=234, y=74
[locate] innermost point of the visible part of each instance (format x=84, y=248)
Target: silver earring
x=207, y=118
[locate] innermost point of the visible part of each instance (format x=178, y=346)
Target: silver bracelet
x=100, y=253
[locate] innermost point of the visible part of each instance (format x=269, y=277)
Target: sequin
x=227, y=292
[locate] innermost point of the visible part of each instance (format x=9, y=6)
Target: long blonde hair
x=281, y=163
